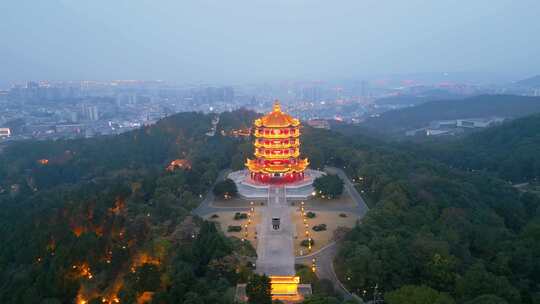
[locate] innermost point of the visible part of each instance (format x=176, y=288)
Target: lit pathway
x=206, y=208
x=275, y=250
x=361, y=208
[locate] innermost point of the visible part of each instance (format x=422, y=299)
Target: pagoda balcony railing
x=278, y=168
x=277, y=146
x=277, y=136
x=278, y=156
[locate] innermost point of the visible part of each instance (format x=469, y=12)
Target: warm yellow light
x=284, y=285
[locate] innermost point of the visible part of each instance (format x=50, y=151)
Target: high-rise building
x=32, y=85
x=312, y=93
x=91, y=112
x=228, y=94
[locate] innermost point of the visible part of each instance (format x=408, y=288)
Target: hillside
x=458, y=235
x=532, y=82
x=511, y=150
x=100, y=220
x=507, y=106
x=410, y=100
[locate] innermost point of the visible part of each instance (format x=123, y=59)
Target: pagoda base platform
x=251, y=189
x=303, y=291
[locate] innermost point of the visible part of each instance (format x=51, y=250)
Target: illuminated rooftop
x=277, y=119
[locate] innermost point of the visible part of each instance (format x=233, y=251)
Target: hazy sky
x=241, y=41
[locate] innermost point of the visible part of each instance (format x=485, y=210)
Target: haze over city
x=252, y=41
x=269, y=152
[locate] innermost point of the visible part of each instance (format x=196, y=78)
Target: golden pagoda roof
x=277, y=119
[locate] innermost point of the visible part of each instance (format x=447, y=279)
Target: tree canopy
x=226, y=188
x=258, y=290
x=102, y=218
x=329, y=186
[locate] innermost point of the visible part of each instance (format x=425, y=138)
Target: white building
x=478, y=122
x=319, y=124
x=5, y=132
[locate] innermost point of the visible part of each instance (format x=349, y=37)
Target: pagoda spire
x=277, y=106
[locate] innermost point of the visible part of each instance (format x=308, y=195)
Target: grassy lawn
x=225, y=219
x=333, y=220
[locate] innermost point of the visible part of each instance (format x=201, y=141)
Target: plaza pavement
x=275, y=250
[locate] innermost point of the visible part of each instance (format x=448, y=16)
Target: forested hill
x=508, y=106
x=434, y=234
x=511, y=150
x=533, y=82
x=73, y=160
x=426, y=96
x=101, y=220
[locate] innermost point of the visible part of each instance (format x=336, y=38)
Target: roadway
x=205, y=207
x=361, y=207
x=324, y=258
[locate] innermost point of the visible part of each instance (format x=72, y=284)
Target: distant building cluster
x=454, y=126
x=319, y=124
x=51, y=110
x=72, y=109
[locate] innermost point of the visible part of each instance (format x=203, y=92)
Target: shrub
x=320, y=227
x=311, y=214
x=240, y=216
x=305, y=243
x=234, y=228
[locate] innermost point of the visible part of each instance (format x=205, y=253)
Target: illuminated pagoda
x=277, y=149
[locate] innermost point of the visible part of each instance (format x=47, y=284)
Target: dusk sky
x=248, y=41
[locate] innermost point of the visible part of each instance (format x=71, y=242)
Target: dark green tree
x=487, y=299
x=329, y=186
x=317, y=299
x=226, y=187
x=258, y=290
x=478, y=281
x=411, y=294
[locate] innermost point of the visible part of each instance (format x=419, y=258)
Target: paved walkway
x=324, y=258
x=324, y=261
x=361, y=208
x=205, y=207
x=325, y=268
x=275, y=250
